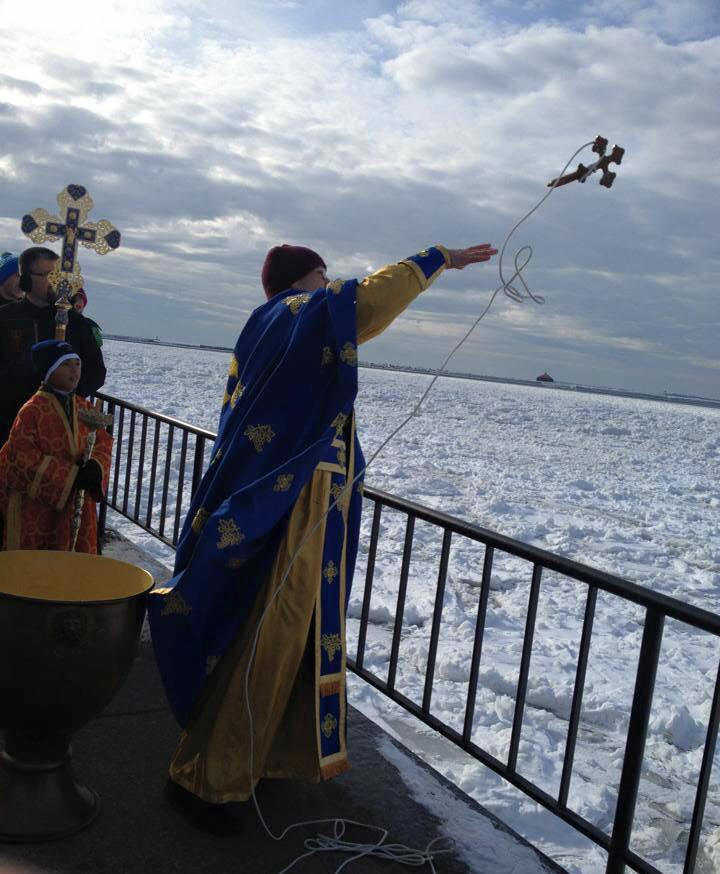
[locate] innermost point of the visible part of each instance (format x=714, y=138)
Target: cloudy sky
x=207, y=132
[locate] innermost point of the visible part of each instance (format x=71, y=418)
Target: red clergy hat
x=286, y=264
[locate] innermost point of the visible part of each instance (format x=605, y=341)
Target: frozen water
x=626, y=485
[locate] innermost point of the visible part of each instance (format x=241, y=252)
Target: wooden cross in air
x=582, y=173
x=75, y=204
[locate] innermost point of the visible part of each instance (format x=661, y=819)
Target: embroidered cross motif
x=259, y=435
x=283, y=482
x=230, y=534
x=201, y=517
x=331, y=644
x=175, y=605
x=341, y=496
x=338, y=423
x=330, y=572
x=348, y=354
x=295, y=301
x=237, y=394
x=328, y=725
x=327, y=356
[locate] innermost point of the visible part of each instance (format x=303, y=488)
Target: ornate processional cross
x=75, y=204
x=603, y=163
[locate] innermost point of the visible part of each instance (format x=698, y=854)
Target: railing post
x=400, y=608
x=524, y=672
x=703, y=780
x=198, y=463
x=102, y=515
x=365, y=613
x=636, y=737
x=578, y=692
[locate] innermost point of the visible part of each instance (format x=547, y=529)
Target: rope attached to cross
x=582, y=173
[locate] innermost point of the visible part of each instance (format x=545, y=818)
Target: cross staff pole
x=75, y=203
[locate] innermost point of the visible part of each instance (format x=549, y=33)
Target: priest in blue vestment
x=271, y=537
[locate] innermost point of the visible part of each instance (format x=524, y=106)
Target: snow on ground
x=629, y=486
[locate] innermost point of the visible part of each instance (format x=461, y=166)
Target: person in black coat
x=30, y=320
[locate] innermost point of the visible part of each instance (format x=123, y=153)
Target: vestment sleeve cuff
x=428, y=264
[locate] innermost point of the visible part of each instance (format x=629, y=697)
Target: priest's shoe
x=218, y=819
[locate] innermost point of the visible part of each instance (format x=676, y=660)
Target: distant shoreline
x=667, y=397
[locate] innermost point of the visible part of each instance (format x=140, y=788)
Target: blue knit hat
x=47, y=355
x=8, y=265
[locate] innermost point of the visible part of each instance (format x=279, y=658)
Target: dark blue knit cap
x=8, y=265
x=49, y=354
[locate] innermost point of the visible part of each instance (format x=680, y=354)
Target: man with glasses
x=31, y=320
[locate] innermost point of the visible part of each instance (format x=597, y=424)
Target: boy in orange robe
x=41, y=465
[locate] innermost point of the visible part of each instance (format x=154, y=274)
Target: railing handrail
x=129, y=495
x=569, y=567
x=611, y=583
x=161, y=417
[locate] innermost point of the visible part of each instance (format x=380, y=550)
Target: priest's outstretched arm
x=383, y=295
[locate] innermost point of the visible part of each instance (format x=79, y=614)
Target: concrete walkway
x=123, y=755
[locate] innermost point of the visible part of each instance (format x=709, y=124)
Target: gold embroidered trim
x=338, y=423
x=232, y=564
x=348, y=354
x=330, y=467
x=331, y=644
x=233, y=369
x=37, y=479
x=226, y=397
x=201, y=517
x=336, y=286
x=259, y=435
x=334, y=687
x=341, y=496
x=327, y=772
x=328, y=725
x=67, y=488
x=295, y=301
x=327, y=356
x=342, y=458
x=330, y=571
x=13, y=523
x=283, y=482
x=230, y=534
x=175, y=605
x=419, y=275
x=237, y=394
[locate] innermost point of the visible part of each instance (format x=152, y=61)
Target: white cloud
x=208, y=136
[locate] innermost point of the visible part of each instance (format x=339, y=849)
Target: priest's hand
x=460, y=258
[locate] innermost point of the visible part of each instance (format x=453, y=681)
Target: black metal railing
x=159, y=511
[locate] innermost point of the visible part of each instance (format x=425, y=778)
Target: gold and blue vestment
x=286, y=451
